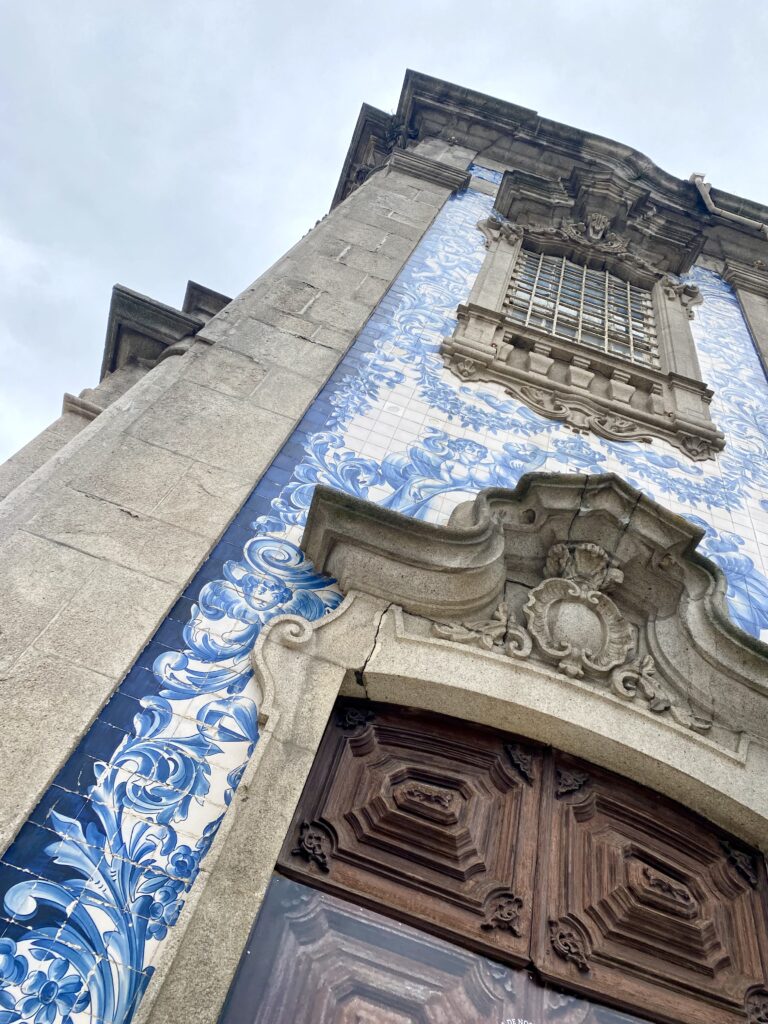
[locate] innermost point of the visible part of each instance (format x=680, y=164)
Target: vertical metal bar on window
x=630, y=327
x=542, y=283
x=581, y=301
x=559, y=293
x=533, y=290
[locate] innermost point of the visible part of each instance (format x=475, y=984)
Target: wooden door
x=436, y=863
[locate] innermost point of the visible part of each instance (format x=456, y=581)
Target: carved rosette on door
x=533, y=857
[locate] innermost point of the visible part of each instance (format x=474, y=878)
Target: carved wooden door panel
x=317, y=959
x=413, y=824
x=646, y=904
x=313, y=958
x=427, y=818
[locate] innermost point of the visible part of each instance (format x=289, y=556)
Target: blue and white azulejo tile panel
x=98, y=875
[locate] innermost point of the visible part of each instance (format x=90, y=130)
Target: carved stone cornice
x=601, y=213
x=589, y=243
x=141, y=329
x=80, y=406
x=407, y=162
x=749, y=277
x=376, y=135
x=618, y=180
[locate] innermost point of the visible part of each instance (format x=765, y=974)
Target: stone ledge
x=747, y=277
x=80, y=407
x=429, y=170
x=150, y=327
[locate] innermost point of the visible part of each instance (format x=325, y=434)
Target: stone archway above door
x=573, y=610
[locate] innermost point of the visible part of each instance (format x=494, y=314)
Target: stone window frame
x=589, y=390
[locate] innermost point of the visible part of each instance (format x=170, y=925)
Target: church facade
x=388, y=643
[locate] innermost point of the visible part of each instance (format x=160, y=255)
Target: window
x=575, y=324
x=591, y=307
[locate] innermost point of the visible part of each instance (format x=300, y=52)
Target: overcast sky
x=153, y=141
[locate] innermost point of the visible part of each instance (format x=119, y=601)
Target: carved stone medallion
x=571, y=620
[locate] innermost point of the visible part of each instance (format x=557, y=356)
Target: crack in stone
x=360, y=672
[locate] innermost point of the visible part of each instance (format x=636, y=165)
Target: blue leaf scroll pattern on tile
x=98, y=876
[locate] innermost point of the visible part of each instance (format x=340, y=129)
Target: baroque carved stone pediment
x=603, y=211
x=581, y=576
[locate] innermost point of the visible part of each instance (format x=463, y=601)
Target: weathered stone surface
x=47, y=704
x=326, y=274
x=87, y=449
x=231, y=373
x=108, y=531
x=289, y=294
x=285, y=392
x=205, y=499
x=343, y=314
x=97, y=632
x=134, y=475
x=38, y=451
x=37, y=578
x=194, y=419
x=393, y=224
x=262, y=341
x=355, y=232
x=371, y=290
x=755, y=308
x=396, y=247
x=377, y=263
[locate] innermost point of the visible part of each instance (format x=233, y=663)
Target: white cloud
x=150, y=143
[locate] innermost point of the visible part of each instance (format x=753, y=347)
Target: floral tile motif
x=97, y=877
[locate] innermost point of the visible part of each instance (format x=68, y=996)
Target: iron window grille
x=593, y=308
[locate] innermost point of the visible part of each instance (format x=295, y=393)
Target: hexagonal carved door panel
x=316, y=959
x=417, y=815
x=644, y=903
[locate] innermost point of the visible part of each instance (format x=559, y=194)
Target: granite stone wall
x=95, y=880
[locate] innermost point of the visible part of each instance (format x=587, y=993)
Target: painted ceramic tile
x=97, y=877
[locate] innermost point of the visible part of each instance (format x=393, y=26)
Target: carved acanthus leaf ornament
x=485, y=633
x=504, y=914
x=569, y=944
